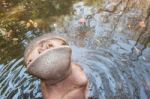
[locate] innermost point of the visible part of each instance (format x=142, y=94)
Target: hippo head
x=48, y=57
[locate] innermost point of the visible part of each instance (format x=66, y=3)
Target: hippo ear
x=53, y=64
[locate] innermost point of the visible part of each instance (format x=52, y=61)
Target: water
x=114, y=76
x=112, y=44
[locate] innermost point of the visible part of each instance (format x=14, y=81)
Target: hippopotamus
x=49, y=59
x=66, y=73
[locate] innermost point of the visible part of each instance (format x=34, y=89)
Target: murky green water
x=118, y=33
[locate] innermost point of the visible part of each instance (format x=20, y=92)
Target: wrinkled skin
x=73, y=86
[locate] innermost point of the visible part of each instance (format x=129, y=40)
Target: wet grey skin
x=52, y=64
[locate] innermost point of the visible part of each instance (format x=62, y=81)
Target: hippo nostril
x=29, y=61
x=50, y=45
x=39, y=51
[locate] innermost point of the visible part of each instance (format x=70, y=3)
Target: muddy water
x=110, y=39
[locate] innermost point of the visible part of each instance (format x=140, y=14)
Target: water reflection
x=112, y=28
x=15, y=82
x=19, y=17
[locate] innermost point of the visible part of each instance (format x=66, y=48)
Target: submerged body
x=73, y=87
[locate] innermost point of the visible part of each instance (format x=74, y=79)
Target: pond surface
x=114, y=33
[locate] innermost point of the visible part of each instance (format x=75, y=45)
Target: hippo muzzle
x=53, y=64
